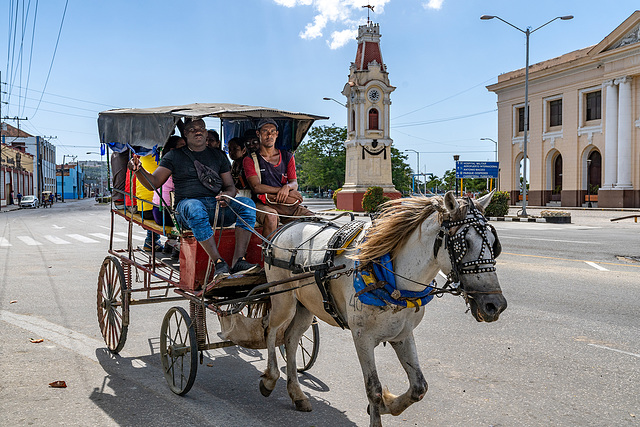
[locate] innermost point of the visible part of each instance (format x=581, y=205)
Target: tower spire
x=369, y=9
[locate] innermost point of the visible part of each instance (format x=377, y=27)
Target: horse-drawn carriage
x=311, y=270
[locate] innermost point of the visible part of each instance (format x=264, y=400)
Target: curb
x=502, y=218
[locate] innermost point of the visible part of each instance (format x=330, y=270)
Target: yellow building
x=16, y=174
x=584, y=120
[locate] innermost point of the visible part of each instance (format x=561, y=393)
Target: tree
x=321, y=159
x=449, y=179
x=400, y=171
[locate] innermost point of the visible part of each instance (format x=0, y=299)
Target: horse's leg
x=283, y=309
x=408, y=357
x=365, y=350
x=296, y=329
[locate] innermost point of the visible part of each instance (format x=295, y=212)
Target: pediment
x=631, y=37
x=627, y=33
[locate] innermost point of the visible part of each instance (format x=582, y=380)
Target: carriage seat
x=147, y=224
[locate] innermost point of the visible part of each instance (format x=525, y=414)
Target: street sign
x=476, y=169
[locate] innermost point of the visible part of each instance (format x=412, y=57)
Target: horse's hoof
x=303, y=405
x=264, y=390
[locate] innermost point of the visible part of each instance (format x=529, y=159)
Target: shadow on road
x=225, y=392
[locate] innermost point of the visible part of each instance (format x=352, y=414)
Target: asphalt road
x=565, y=352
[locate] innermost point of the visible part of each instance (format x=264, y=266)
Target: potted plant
x=557, y=217
x=592, y=196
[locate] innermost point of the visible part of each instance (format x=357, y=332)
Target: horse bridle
x=453, y=234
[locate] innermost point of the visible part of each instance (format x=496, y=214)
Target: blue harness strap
x=381, y=277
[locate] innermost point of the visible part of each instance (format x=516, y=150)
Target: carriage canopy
x=149, y=128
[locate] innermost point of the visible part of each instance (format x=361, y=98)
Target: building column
x=611, y=135
x=624, y=134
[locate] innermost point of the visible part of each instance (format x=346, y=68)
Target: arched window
x=373, y=119
x=353, y=121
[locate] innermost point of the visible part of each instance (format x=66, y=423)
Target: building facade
x=584, y=125
x=16, y=174
x=70, y=180
x=43, y=152
x=368, y=144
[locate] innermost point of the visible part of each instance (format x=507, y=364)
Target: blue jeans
x=197, y=214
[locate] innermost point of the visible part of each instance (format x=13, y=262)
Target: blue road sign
x=476, y=169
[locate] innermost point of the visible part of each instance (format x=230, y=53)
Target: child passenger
x=237, y=151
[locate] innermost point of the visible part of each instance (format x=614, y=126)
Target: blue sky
x=286, y=54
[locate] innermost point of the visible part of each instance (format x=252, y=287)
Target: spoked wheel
x=113, y=304
x=179, y=350
x=308, y=347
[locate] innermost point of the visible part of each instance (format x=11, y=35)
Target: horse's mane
x=396, y=221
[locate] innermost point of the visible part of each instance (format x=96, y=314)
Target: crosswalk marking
x=82, y=238
x=4, y=242
x=105, y=237
x=29, y=241
x=56, y=240
x=123, y=234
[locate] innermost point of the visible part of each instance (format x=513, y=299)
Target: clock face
x=374, y=95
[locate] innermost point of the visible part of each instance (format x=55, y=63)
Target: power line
x=73, y=99
x=442, y=100
x=448, y=119
x=33, y=36
x=53, y=57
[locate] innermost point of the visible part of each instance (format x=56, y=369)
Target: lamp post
x=63, y=168
x=589, y=183
x=336, y=101
x=527, y=33
x=495, y=142
x=101, y=171
x=417, y=172
x=456, y=157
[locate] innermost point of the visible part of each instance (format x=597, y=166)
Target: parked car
x=29, y=202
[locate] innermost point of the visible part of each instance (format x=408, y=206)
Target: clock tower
x=368, y=143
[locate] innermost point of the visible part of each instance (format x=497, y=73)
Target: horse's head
x=472, y=245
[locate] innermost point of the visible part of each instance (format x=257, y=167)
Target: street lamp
x=101, y=171
x=527, y=33
x=336, y=101
x=495, y=142
x=456, y=157
x=63, y=168
x=418, y=164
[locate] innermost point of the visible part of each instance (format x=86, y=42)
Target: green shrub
x=499, y=205
x=335, y=197
x=373, y=198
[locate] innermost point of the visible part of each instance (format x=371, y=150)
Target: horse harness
x=342, y=238
x=453, y=234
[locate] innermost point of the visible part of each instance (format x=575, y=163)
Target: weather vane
x=369, y=8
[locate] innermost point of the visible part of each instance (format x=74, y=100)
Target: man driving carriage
x=196, y=201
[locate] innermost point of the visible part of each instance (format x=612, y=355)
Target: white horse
x=423, y=236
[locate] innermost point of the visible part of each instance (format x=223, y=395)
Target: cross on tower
x=369, y=8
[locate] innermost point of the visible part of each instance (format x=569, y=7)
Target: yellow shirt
x=150, y=165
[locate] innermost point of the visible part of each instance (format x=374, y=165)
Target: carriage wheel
x=113, y=304
x=308, y=347
x=178, y=350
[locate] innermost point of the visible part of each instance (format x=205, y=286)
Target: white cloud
x=347, y=14
x=431, y=4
